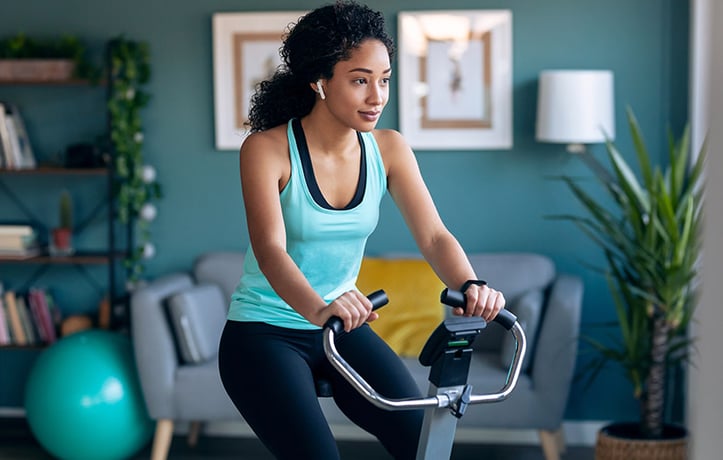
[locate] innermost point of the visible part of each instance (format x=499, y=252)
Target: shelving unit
x=110, y=254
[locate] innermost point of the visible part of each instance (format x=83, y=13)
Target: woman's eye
x=360, y=81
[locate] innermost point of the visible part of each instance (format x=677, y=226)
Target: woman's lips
x=370, y=116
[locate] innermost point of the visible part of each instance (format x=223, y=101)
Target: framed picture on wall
x=245, y=52
x=455, y=83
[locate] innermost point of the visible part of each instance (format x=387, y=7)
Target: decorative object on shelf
x=75, y=323
x=84, y=155
x=136, y=185
x=455, y=70
x=61, y=241
x=648, y=229
x=27, y=59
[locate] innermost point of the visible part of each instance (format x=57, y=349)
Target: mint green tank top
x=326, y=244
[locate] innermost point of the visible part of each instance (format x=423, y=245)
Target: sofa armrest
x=557, y=341
x=153, y=342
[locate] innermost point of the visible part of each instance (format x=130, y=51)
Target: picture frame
x=245, y=52
x=455, y=79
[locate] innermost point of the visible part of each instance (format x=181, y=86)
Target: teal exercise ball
x=83, y=399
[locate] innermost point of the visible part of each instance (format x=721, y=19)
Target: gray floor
x=17, y=443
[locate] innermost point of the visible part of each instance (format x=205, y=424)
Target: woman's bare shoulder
x=390, y=139
x=393, y=147
x=272, y=140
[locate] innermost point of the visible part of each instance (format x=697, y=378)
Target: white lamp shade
x=575, y=106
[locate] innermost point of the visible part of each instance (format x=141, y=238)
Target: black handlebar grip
x=378, y=298
x=453, y=298
x=505, y=318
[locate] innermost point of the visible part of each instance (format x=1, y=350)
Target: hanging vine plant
x=135, y=182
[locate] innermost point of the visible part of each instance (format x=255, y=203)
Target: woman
x=313, y=172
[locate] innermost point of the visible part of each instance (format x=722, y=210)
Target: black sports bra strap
x=308, y=169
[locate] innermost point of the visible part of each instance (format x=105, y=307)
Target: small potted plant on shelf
x=27, y=59
x=61, y=243
x=648, y=229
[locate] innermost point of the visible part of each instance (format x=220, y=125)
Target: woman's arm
x=265, y=170
x=438, y=246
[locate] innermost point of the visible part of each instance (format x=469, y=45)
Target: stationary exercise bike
x=448, y=353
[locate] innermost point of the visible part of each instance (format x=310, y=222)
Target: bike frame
x=444, y=404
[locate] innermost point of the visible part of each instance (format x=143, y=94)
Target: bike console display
x=448, y=350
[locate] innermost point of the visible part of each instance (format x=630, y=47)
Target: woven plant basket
x=619, y=442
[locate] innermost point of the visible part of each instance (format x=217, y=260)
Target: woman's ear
x=320, y=89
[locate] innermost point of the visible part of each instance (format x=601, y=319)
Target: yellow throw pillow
x=414, y=309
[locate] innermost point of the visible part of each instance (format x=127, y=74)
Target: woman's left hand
x=482, y=301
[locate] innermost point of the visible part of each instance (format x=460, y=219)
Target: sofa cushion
x=197, y=316
x=414, y=308
x=223, y=268
x=514, y=274
x=528, y=309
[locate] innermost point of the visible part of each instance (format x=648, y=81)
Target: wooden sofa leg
x=552, y=444
x=194, y=430
x=560, y=438
x=162, y=439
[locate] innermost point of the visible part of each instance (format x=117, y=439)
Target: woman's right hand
x=353, y=307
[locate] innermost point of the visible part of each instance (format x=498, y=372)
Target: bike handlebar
x=335, y=326
x=378, y=298
x=504, y=318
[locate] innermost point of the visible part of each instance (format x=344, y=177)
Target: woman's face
x=359, y=88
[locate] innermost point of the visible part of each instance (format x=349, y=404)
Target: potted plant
x=23, y=58
x=62, y=236
x=648, y=229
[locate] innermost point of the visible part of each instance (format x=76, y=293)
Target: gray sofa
x=176, y=321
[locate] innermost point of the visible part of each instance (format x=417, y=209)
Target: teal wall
x=492, y=200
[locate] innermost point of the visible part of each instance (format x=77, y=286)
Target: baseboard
x=12, y=412
x=582, y=432
x=576, y=433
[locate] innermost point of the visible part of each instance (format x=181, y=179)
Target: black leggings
x=269, y=373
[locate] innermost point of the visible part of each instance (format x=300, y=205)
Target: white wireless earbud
x=320, y=89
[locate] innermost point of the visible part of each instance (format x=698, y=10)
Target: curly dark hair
x=310, y=50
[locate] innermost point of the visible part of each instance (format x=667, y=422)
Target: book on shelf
x=51, y=316
x=16, y=325
x=30, y=319
x=18, y=241
x=29, y=326
x=5, y=338
x=55, y=314
x=21, y=254
x=5, y=148
x=16, y=229
x=15, y=144
x=14, y=241
x=46, y=324
x=37, y=318
x=27, y=156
